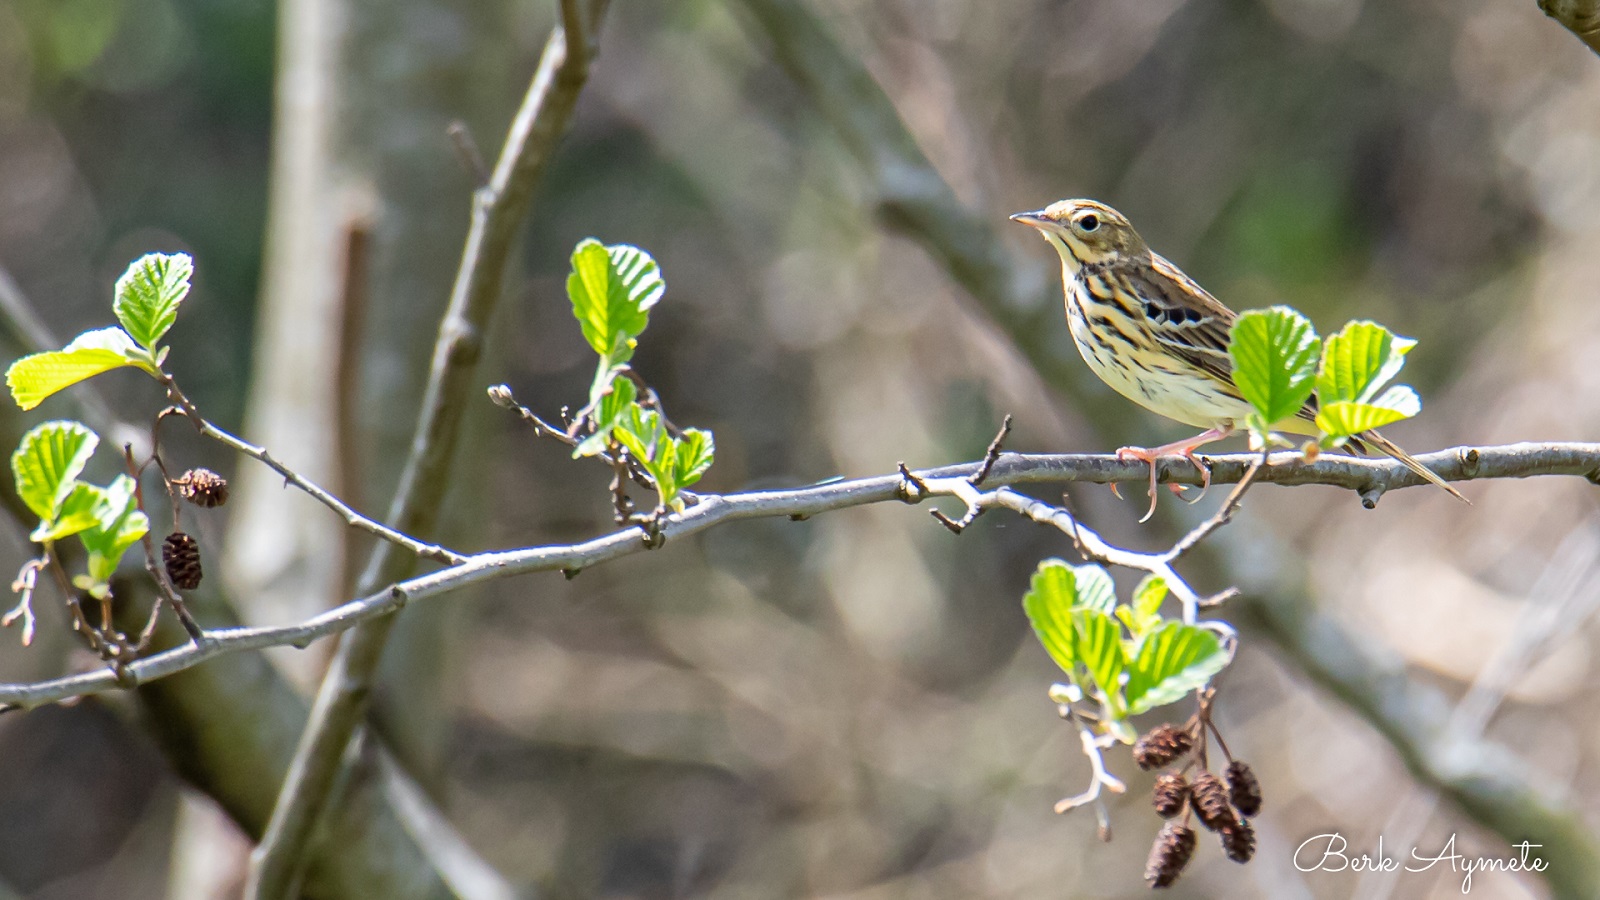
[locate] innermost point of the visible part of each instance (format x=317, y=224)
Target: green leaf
x=1145, y=612
x=34, y=378
x=47, y=461
x=1094, y=588
x=1358, y=361
x=1099, y=645
x=119, y=525
x=1173, y=660
x=148, y=294
x=1048, y=604
x=78, y=511
x=612, y=290
x=1274, y=354
x=1344, y=418
x=619, y=395
x=693, y=455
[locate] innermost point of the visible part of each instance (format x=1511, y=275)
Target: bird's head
x=1085, y=232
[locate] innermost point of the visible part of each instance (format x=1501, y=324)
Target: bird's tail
x=1374, y=439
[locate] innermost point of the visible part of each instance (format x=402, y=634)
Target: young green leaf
x=1099, y=645
x=47, y=462
x=34, y=378
x=1048, y=604
x=78, y=511
x=1173, y=660
x=619, y=396
x=612, y=290
x=148, y=294
x=1274, y=353
x=1094, y=588
x=693, y=456
x=1343, y=418
x=119, y=525
x=1144, y=614
x=1358, y=361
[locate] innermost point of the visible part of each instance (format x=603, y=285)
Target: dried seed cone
x=1161, y=745
x=181, y=555
x=1210, y=800
x=1171, y=852
x=202, y=487
x=1243, y=789
x=1239, y=841
x=1170, y=792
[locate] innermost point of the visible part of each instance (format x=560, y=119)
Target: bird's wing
x=1194, y=325
x=1189, y=322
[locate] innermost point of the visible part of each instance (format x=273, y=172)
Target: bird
x=1155, y=336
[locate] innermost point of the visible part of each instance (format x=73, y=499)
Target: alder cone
x=1210, y=801
x=1161, y=745
x=1239, y=841
x=1170, y=853
x=1243, y=789
x=181, y=556
x=1170, y=792
x=202, y=487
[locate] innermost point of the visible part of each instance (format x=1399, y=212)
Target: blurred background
x=850, y=706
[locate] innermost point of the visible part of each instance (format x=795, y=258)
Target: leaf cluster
x=1127, y=657
x=106, y=520
x=1277, y=368
x=612, y=289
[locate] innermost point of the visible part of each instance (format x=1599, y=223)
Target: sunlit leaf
x=1144, y=613
x=78, y=511
x=1358, y=361
x=1099, y=646
x=1048, y=604
x=1344, y=418
x=47, y=461
x=612, y=290
x=118, y=526
x=1172, y=661
x=694, y=453
x=1274, y=354
x=148, y=294
x=34, y=378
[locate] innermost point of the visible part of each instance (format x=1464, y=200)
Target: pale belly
x=1177, y=392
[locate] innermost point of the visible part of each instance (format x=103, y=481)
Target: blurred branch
x=1581, y=17
x=498, y=211
x=1514, y=461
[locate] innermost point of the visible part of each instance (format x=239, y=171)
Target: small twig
x=502, y=397
x=1099, y=778
x=24, y=584
x=992, y=454
x=350, y=516
x=158, y=573
x=1223, y=516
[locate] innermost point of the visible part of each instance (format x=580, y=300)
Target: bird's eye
x=1089, y=222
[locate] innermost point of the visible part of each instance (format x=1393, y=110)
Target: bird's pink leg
x=1184, y=448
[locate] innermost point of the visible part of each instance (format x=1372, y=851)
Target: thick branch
x=1513, y=461
x=499, y=208
x=1581, y=17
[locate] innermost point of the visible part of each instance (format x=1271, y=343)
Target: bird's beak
x=1036, y=219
